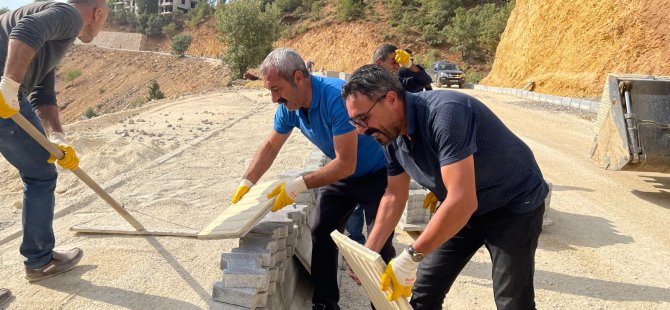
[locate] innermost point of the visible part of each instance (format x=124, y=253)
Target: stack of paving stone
x=415, y=217
x=261, y=272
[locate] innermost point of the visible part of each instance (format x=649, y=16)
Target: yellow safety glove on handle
x=287, y=192
x=399, y=276
x=242, y=189
x=70, y=160
x=403, y=58
x=9, y=100
x=430, y=201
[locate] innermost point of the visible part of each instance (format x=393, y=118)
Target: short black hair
x=373, y=81
x=383, y=51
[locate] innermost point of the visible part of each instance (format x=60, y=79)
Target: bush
x=350, y=9
x=473, y=76
x=180, y=44
x=287, y=6
x=248, y=31
x=90, y=113
x=4, y=10
x=170, y=30
x=71, y=74
x=155, y=92
x=138, y=102
x=154, y=26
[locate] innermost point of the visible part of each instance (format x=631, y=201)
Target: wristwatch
x=416, y=256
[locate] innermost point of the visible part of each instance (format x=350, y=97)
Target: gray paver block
x=274, y=229
x=245, y=297
x=255, y=242
x=216, y=305
x=244, y=271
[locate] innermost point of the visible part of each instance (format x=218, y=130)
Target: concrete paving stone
x=281, y=271
x=216, y=305
x=245, y=297
x=241, y=271
x=281, y=244
x=254, y=241
x=281, y=256
x=267, y=259
x=269, y=228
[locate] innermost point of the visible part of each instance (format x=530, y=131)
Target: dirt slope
x=114, y=80
x=568, y=47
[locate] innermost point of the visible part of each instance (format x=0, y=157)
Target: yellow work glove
x=70, y=160
x=242, y=189
x=9, y=101
x=399, y=276
x=430, y=201
x=287, y=192
x=403, y=58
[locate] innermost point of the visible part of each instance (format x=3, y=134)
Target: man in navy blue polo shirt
x=491, y=188
x=356, y=174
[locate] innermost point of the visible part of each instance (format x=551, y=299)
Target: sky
x=13, y=4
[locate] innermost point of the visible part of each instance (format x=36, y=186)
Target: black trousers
x=334, y=205
x=511, y=240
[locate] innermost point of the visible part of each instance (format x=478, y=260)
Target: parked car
x=446, y=73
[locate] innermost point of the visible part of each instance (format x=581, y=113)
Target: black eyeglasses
x=361, y=119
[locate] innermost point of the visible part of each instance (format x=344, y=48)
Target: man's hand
x=70, y=160
x=242, y=189
x=403, y=58
x=352, y=274
x=430, y=201
x=287, y=192
x=9, y=101
x=399, y=276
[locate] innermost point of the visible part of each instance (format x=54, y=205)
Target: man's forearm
x=262, y=161
x=388, y=215
x=49, y=117
x=332, y=172
x=19, y=56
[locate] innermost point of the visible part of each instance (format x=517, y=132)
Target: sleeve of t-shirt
x=282, y=123
x=393, y=167
x=415, y=79
x=58, y=22
x=339, y=117
x=454, y=130
x=44, y=93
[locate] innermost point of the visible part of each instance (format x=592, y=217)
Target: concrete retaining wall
x=584, y=104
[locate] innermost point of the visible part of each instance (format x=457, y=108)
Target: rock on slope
x=568, y=47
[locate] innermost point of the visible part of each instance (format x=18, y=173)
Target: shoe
x=61, y=262
x=5, y=295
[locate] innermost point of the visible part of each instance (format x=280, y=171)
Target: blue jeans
x=355, y=225
x=39, y=183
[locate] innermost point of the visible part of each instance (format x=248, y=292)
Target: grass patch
x=71, y=74
x=90, y=113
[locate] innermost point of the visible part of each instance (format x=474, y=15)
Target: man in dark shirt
x=33, y=39
x=413, y=78
x=491, y=188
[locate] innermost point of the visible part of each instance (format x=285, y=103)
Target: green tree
x=287, y=6
x=197, y=15
x=248, y=32
x=147, y=6
x=154, y=25
x=4, y=10
x=180, y=44
x=475, y=33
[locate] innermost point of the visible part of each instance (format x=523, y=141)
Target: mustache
x=371, y=131
x=282, y=100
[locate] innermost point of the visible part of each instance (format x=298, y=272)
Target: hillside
x=114, y=80
x=568, y=48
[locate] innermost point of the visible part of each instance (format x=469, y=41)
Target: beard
x=381, y=137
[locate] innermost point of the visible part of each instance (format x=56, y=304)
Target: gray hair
x=372, y=81
x=286, y=61
x=382, y=52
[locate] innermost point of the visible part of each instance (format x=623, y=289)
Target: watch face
x=416, y=256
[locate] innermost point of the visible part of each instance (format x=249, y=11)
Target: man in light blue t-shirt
x=356, y=174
